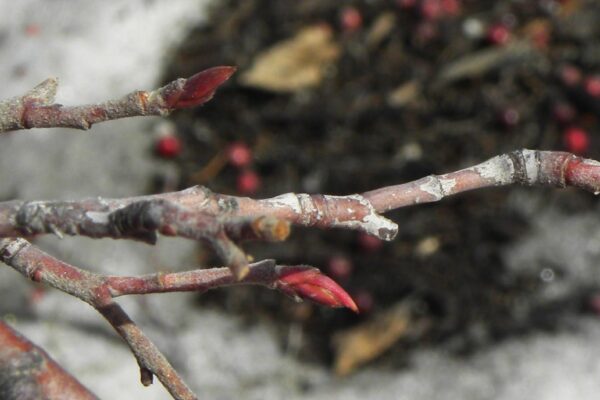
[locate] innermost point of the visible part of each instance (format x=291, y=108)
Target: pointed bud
x=303, y=282
x=201, y=87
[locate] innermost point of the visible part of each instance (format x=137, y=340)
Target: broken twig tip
x=146, y=376
x=271, y=229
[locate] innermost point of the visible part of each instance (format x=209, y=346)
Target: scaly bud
x=201, y=87
x=304, y=282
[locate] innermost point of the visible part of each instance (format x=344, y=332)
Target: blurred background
x=477, y=297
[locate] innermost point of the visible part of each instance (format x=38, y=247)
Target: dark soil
x=345, y=136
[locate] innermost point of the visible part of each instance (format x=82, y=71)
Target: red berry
x=239, y=154
x=351, y=19
x=594, y=303
x=32, y=30
x=248, y=182
x=369, y=243
x=498, y=34
x=426, y=31
x=563, y=113
x=592, y=86
x=576, y=140
x=364, y=301
x=510, y=117
x=406, y=4
x=168, y=146
x=431, y=9
x=339, y=267
x=450, y=7
x=570, y=75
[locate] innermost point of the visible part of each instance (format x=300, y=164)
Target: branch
x=523, y=167
x=301, y=282
x=297, y=281
x=28, y=372
x=221, y=220
x=36, y=109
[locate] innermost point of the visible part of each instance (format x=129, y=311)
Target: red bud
x=201, y=87
x=309, y=283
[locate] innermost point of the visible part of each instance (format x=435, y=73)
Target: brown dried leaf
x=295, y=63
x=404, y=94
x=359, y=345
x=481, y=62
x=381, y=28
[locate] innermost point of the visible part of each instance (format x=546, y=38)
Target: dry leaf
x=362, y=344
x=427, y=246
x=381, y=28
x=294, y=64
x=481, y=62
x=404, y=94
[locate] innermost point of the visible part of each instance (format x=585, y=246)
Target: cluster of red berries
x=340, y=267
x=350, y=18
x=239, y=155
x=432, y=9
x=429, y=13
x=575, y=138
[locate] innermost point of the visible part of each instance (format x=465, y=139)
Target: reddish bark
x=28, y=373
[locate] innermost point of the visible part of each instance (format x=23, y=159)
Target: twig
x=523, y=167
x=99, y=291
x=197, y=213
x=36, y=109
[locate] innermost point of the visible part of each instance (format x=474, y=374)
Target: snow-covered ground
x=102, y=49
